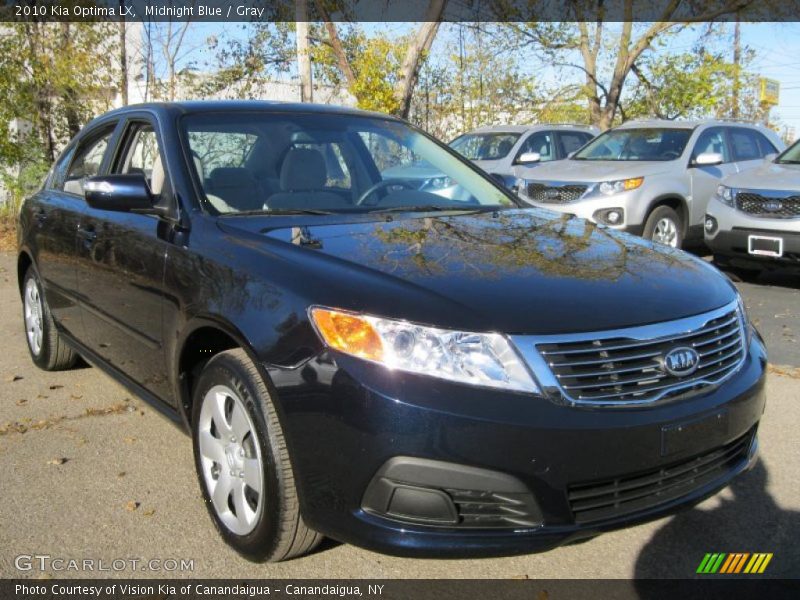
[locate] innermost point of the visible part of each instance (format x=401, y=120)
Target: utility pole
x=737, y=65
x=123, y=56
x=303, y=59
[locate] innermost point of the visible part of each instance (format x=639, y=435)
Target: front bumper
x=732, y=228
x=345, y=420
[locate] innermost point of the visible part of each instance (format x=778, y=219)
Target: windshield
x=636, y=144
x=485, y=146
x=321, y=163
x=790, y=156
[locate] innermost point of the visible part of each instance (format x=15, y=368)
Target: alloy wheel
x=231, y=462
x=666, y=232
x=34, y=314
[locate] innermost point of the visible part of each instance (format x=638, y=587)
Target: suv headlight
x=725, y=195
x=482, y=359
x=608, y=188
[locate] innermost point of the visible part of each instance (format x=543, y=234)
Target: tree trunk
x=409, y=71
x=123, y=58
x=303, y=59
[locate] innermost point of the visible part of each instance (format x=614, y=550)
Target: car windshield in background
x=485, y=146
x=636, y=144
x=790, y=156
x=305, y=162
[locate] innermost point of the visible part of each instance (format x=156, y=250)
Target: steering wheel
x=671, y=154
x=362, y=199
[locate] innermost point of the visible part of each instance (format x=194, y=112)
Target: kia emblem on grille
x=681, y=362
x=773, y=205
x=552, y=194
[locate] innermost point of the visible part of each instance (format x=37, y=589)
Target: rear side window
x=572, y=141
x=87, y=162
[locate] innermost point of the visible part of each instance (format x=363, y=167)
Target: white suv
x=653, y=178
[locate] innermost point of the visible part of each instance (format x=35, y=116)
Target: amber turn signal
x=348, y=332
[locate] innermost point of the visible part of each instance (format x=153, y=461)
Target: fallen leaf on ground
x=10, y=378
x=56, y=387
x=21, y=401
x=149, y=512
x=129, y=440
x=57, y=461
x=132, y=506
x=121, y=474
x=75, y=396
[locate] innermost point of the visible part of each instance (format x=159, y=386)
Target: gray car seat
x=303, y=179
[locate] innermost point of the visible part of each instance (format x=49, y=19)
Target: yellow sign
x=770, y=91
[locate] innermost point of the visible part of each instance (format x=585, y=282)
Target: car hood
x=514, y=271
x=767, y=176
x=593, y=170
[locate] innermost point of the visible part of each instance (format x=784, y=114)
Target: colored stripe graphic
x=733, y=563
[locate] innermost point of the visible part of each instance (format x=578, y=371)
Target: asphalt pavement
x=91, y=473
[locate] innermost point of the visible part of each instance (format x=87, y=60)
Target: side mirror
x=529, y=157
x=121, y=193
x=709, y=159
x=770, y=157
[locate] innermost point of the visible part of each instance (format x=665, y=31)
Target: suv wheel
x=243, y=464
x=47, y=347
x=665, y=227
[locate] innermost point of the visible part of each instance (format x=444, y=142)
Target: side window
x=745, y=144
x=59, y=174
x=144, y=158
x=539, y=142
x=572, y=141
x=86, y=163
x=712, y=140
x=764, y=145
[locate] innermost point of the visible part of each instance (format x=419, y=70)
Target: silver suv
x=501, y=150
x=754, y=218
x=653, y=178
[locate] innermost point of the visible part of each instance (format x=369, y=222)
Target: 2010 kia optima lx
x=390, y=367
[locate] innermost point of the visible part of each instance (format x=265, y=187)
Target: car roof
x=167, y=109
x=526, y=128
x=685, y=124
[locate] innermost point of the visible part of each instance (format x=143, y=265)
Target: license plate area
x=762, y=245
x=695, y=436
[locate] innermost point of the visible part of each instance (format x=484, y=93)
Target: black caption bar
x=393, y=589
x=401, y=10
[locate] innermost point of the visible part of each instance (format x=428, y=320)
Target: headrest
x=303, y=170
x=157, y=176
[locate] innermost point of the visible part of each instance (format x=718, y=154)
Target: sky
x=776, y=47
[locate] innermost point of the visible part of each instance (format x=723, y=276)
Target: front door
x=705, y=179
x=121, y=270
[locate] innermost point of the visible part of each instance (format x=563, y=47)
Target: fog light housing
x=610, y=216
x=710, y=224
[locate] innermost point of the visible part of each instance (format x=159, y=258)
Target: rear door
x=705, y=179
x=749, y=147
x=56, y=212
x=121, y=260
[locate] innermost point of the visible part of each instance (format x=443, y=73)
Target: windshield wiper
x=425, y=208
x=286, y=211
x=788, y=162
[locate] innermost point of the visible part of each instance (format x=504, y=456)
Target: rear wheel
x=664, y=226
x=47, y=347
x=243, y=464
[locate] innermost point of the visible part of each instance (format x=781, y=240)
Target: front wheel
x=47, y=347
x=243, y=464
x=664, y=226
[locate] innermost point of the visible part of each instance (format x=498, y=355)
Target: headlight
x=725, y=195
x=748, y=332
x=483, y=359
x=623, y=185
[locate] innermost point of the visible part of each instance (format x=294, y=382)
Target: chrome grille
x=555, y=194
x=768, y=207
x=626, y=366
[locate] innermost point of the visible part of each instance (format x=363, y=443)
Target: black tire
x=660, y=213
x=279, y=532
x=53, y=354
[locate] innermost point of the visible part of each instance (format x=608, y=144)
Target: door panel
x=120, y=276
x=706, y=179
